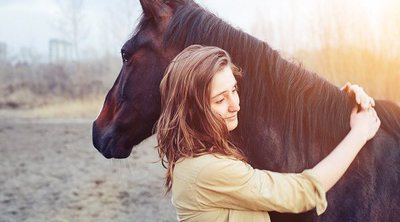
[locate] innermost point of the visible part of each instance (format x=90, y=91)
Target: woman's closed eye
x=220, y=101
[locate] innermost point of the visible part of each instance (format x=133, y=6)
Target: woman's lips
x=231, y=118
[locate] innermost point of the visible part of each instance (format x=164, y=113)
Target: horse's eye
x=125, y=56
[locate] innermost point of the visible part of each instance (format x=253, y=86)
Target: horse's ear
x=156, y=8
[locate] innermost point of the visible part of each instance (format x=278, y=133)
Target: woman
x=209, y=177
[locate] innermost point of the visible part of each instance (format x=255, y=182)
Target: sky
x=31, y=23
x=108, y=24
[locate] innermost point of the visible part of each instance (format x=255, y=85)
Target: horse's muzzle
x=100, y=142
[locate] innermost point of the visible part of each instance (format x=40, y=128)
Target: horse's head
x=132, y=105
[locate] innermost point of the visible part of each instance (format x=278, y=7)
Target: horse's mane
x=301, y=109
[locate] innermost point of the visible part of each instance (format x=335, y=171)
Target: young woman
x=209, y=178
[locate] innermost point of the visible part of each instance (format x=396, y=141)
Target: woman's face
x=224, y=97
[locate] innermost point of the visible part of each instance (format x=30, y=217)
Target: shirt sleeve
x=233, y=184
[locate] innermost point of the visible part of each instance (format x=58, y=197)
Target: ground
x=50, y=171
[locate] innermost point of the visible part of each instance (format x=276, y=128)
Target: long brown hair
x=187, y=126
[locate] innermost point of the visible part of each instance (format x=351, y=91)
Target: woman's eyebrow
x=224, y=91
x=219, y=94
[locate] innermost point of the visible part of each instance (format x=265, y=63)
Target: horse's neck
x=298, y=116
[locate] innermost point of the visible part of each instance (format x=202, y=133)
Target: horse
x=290, y=118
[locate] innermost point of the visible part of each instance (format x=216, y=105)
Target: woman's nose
x=233, y=105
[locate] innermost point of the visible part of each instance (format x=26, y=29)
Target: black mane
x=302, y=108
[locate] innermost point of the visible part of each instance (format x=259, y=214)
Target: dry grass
x=87, y=108
x=343, y=41
x=377, y=74
x=71, y=90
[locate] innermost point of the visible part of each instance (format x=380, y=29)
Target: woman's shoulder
x=207, y=163
x=191, y=167
x=212, y=170
x=207, y=159
x=221, y=170
x=218, y=164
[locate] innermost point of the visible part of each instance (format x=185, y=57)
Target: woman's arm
x=233, y=184
x=364, y=125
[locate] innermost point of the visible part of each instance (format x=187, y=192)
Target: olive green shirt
x=219, y=188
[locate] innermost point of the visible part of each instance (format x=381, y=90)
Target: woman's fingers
x=372, y=101
x=362, y=97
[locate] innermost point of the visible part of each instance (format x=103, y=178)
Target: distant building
x=3, y=51
x=27, y=55
x=59, y=51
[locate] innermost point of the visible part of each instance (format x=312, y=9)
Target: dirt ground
x=49, y=171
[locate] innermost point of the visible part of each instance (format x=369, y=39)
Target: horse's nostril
x=95, y=137
x=101, y=141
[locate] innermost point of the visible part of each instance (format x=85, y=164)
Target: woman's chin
x=232, y=125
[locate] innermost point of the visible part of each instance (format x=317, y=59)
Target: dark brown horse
x=289, y=120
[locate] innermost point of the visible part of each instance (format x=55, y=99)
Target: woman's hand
x=365, y=122
x=359, y=94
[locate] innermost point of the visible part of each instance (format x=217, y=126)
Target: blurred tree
x=71, y=24
x=120, y=20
